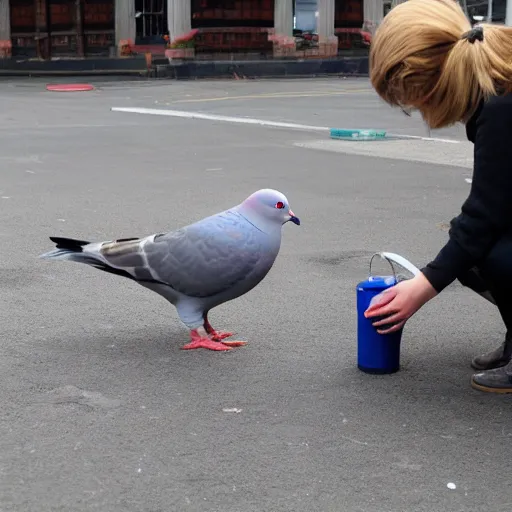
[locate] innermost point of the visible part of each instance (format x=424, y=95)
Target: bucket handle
x=382, y=256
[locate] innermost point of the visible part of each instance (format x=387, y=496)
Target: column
x=179, y=16
x=327, y=41
x=5, y=30
x=283, y=17
x=373, y=14
x=80, y=42
x=508, y=13
x=125, y=21
x=43, y=36
x=5, y=21
x=325, y=20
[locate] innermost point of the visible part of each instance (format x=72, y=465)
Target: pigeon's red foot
x=210, y=343
x=219, y=335
x=203, y=341
x=234, y=343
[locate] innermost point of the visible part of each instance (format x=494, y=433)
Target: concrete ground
x=102, y=411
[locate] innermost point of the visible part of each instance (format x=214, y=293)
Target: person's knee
x=496, y=269
x=473, y=279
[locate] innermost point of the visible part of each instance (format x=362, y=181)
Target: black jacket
x=486, y=214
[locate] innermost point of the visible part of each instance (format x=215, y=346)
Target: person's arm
x=487, y=212
x=486, y=216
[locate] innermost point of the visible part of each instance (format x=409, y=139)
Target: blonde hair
x=421, y=58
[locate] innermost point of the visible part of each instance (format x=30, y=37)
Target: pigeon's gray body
x=195, y=268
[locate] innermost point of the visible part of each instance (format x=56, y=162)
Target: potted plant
x=182, y=47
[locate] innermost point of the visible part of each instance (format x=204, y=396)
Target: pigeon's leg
x=192, y=315
x=215, y=335
x=219, y=335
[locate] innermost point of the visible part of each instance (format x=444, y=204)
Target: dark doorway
x=151, y=22
x=228, y=13
x=348, y=14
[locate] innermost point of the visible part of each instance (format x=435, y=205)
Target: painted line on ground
x=215, y=117
x=275, y=95
x=419, y=137
x=16, y=130
x=252, y=121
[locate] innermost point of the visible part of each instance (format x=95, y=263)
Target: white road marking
x=355, y=441
x=418, y=137
x=253, y=121
x=215, y=117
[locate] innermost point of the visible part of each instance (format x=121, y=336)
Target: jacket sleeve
x=487, y=213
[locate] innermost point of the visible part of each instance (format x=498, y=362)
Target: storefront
x=86, y=28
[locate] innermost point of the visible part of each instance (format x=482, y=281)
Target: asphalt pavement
x=102, y=411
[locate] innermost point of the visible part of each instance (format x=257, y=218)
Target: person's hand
x=400, y=302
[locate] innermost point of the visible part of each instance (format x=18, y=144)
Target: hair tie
x=475, y=34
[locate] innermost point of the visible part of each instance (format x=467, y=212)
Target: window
x=231, y=13
x=217, y=4
x=151, y=20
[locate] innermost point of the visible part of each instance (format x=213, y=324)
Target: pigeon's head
x=271, y=206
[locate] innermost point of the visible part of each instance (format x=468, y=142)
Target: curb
x=348, y=66
x=194, y=70
x=43, y=73
x=73, y=67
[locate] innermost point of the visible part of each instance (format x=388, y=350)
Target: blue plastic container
x=376, y=353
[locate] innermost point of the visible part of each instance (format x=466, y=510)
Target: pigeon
x=197, y=267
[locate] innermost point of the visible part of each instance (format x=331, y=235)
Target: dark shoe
x=495, y=359
x=494, y=381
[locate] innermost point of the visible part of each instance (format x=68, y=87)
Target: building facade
x=53, y=28
x=82, y=28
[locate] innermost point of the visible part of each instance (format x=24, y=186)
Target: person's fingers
x=381, y=310
x=394, y=328
x=382, y=299
x=397, y=317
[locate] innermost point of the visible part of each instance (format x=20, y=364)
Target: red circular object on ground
x=69, y=87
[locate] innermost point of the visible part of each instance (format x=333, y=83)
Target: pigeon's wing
x=200, y=260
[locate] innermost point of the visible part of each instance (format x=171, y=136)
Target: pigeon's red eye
x=280, y=205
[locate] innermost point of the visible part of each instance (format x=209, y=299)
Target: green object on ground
x=347, y=134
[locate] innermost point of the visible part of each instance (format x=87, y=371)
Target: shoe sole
x=500, y=391
x=489, y=367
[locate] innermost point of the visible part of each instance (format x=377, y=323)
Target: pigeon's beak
x=293, y=218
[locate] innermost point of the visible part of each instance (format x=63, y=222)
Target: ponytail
x=426, y=55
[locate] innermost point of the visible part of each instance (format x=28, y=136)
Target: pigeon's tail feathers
x=69, y=243
x=67, y=249
x=80, y=251
x=70, y=250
